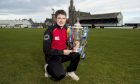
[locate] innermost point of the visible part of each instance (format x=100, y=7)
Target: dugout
x=134, y=25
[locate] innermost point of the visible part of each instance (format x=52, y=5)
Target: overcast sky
x=39, y=10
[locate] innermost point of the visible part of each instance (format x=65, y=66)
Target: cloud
x=14, y=9
x=40, y=9
x=28, y=6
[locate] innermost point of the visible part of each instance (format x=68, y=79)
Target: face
x=61, y=20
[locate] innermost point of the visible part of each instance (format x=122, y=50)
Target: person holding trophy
x=57, y=50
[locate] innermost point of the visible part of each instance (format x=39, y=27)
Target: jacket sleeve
x=47, y=44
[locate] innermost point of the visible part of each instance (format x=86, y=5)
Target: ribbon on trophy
x=77, y=38
x=83, y=46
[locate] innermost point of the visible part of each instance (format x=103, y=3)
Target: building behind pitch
x=15, y=23
x=95, y=20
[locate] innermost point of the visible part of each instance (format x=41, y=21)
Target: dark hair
x=60, y=12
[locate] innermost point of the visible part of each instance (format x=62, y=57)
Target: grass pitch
x=113, y=57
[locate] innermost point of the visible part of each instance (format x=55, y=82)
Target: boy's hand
x=67, y=52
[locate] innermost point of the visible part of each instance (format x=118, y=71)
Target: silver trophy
x=77, y=36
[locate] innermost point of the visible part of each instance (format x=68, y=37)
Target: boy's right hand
x=67, y=52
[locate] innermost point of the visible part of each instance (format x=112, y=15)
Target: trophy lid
x=77, y=24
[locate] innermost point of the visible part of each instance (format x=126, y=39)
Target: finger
x=70, y=50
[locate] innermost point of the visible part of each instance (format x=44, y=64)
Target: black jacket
x=47, y=40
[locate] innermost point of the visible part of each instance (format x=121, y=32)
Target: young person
x=56, y=52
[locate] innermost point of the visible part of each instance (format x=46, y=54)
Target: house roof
x=101, y=16
x=13, y=22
